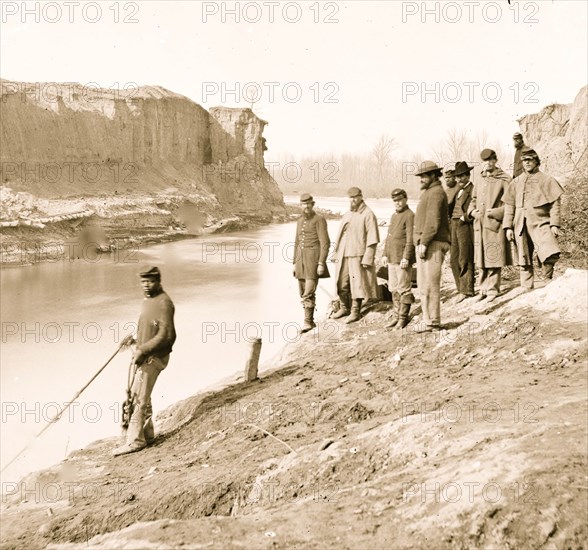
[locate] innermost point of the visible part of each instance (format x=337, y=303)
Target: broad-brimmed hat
x=487, y=154
x=462, y=168
x=428, y=166
x=306, y=197
x=354, y=192
x=398, y=193
x=150, y=271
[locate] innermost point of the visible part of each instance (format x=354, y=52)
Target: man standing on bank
x=451, y=189
x=532, y=218
x=491, y=249
x=156, y=335
x=355, y=250
x=311, y=249
x=519, y=143
x=399, y=254
x=431, y=239
x=462, y=234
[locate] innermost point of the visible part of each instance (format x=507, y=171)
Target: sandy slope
x=476, y=438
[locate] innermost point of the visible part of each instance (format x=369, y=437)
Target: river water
x=61, y=321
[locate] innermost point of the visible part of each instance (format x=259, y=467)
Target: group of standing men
x=499, y=221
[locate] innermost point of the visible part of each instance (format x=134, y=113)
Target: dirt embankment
x=361, y=437
x=120, y=168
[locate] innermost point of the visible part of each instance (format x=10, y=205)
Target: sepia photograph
x=294, y=274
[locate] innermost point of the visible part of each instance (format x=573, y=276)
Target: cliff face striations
x=560, y=135
x=65, y=145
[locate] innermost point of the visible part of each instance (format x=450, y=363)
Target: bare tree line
x=381, y=169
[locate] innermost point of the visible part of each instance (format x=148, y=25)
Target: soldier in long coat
x=491, y=249
x=532, y=218
x=354, y=254
x=311, y=248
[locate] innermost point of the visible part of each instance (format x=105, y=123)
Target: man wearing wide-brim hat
x=354, y=254
x=519, y=144
x=451, y=190
x=462, y=234
x=155, y=338
x=311, y=248
x=491, y=249
x=431, y=239
x=532, y=218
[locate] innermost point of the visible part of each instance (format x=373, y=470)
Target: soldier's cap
x=306, y=197
x=529, y=153
x=428, y=166
x=398, y=194
x=449, y=173
x=354, y=192
x=150, y=272
x=488, y=154
x=517, y=135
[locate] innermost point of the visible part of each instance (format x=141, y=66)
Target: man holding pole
x=154, y=340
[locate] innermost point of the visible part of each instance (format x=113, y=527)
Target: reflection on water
x=61, y=321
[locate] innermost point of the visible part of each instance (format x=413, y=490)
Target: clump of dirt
x=473, y=437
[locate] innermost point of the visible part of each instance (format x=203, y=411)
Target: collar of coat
x=498, y=174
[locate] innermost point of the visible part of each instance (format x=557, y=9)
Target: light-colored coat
x=532, y=207
x=491, y=248
x=356, y=242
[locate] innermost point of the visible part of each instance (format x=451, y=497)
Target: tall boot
x=309, y=323
x=406, y=302
x=395, y=310
x=355, y=311
x=343, y=310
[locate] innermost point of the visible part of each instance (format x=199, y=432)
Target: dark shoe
x=309, y=323
x=480, y=297
x=427, y=328
x=126, y=449
x=404, y=317
x=395, y=311
x=355, y=314
x=341, y=312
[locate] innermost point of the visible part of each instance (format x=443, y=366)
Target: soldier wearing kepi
x=355, y=250
x=532, y=218
x=311, y=249
x=491, y=250
x=519, y=143
x=399, y=254
x=155, y=337
x=431, y=239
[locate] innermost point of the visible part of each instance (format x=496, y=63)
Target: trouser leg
x=429, y=282
x=307, y=289
x=466, y=258
x=526, y=271
x=344, y=285
x=548, y=266
x=493, y=276
x=454, y=255
x=141, y=422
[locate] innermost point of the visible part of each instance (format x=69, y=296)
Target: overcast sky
x=351, y=70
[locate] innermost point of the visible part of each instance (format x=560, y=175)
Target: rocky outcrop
x=65, y=143
x=560, y=136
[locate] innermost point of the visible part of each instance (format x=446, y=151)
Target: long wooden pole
x=60, y=413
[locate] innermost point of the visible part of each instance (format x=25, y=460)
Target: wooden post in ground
x=251, y=365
